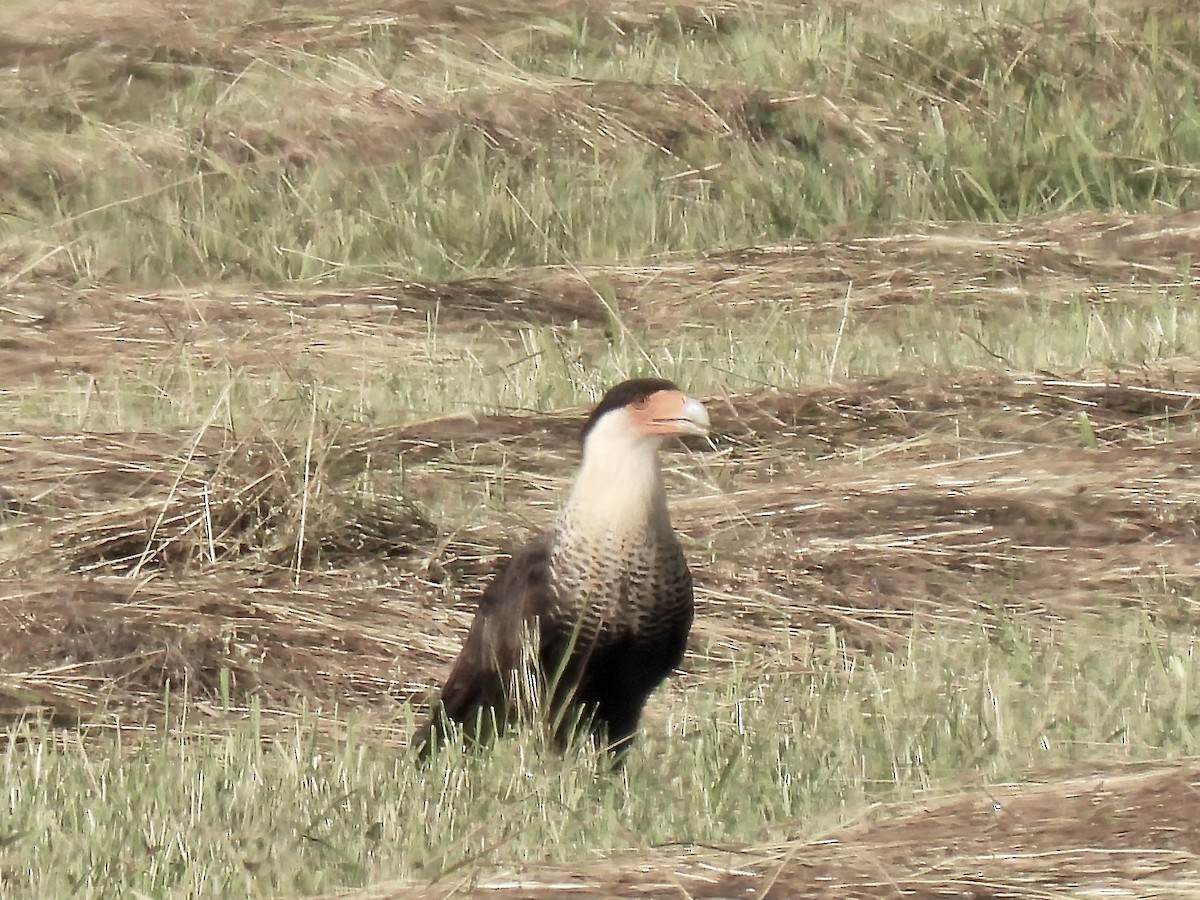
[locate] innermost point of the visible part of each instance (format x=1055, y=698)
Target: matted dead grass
x=140, y=561
x=48, y=31
x=133, y=503
x=374, y=122
x=1055, y=535
x=140, y=565
x=1120, y=832
x=359, y=118
x=251, y=26
x=81, y=647
x=49, y=330
x=1074, y=256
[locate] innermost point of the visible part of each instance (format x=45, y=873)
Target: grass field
x=301, y=304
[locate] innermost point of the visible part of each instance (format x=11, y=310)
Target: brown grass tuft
x=84, y=646
x=132, y=503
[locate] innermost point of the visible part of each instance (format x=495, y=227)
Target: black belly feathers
x=609, y=615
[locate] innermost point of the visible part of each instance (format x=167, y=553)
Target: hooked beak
x=692, y=418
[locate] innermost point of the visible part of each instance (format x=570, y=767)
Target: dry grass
x=99, y=646
x=989, y=504
x=138, y=563
x=1102, y=259
x=1121, y=831
x=136, y=503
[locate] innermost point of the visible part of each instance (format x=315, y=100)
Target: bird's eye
x=640, y=401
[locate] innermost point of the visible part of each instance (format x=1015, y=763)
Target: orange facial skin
x=668, y=413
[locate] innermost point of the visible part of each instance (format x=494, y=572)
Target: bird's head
x=619, y=486
x=645, y=410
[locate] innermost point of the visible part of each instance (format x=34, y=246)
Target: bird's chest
x=612, y=587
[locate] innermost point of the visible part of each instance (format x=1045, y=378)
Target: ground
x=1125, y=831
x=302, y=305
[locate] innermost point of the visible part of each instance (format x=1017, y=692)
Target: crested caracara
x=606, y=592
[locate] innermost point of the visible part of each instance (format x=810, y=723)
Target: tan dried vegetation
x=1059, y=837
x=301, y=561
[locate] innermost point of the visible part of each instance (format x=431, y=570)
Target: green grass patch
x=807, y=737
x=371, y=162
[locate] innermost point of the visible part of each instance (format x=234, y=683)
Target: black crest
x=622, y=395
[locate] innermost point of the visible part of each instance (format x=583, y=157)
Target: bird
x=603, y=598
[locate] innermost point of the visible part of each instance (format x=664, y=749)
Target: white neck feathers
x=619, y=487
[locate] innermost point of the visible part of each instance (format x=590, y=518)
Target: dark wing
x=478, y=685
x=676, y=644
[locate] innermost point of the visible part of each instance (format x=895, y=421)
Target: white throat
x=619, y=488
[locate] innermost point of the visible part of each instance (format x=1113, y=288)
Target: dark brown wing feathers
x=479, y=680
